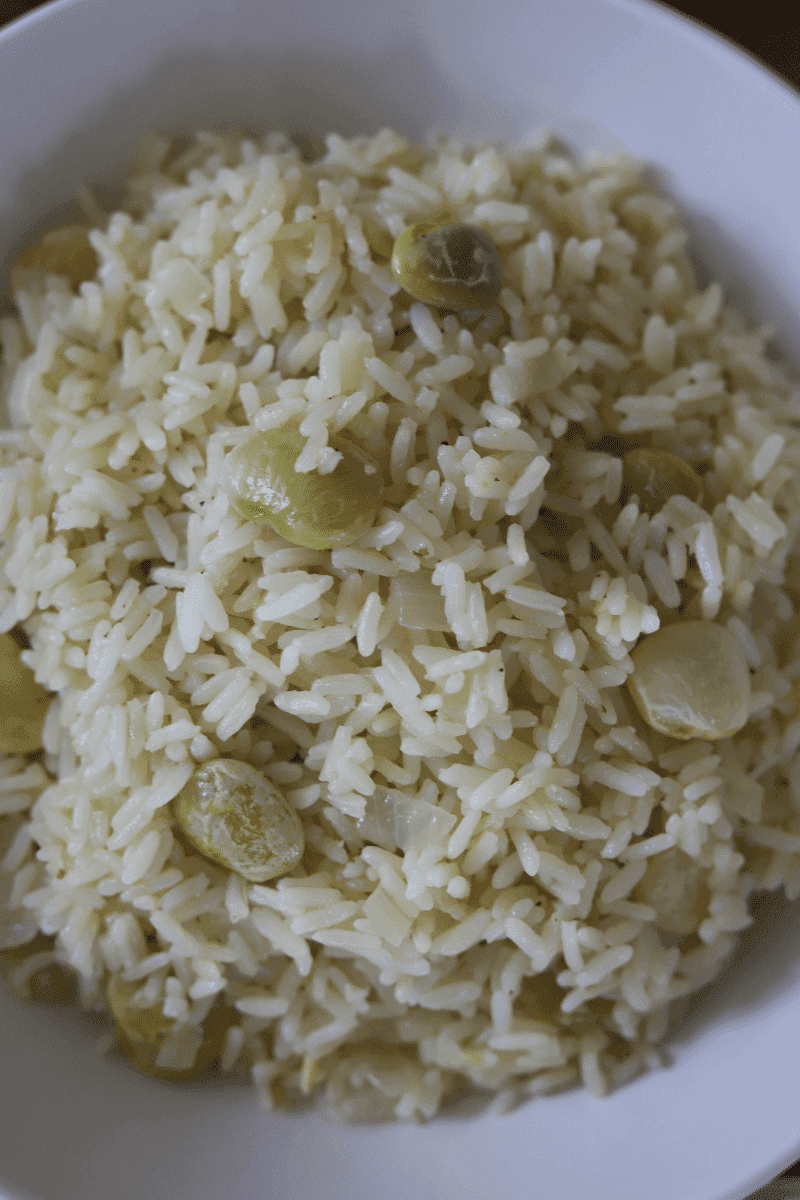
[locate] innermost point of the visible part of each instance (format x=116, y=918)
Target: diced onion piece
x=420, y=604
x=691, y=680
x=398, y=822
x=674, y=886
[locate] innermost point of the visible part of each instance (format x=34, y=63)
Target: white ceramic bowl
x=80, y=80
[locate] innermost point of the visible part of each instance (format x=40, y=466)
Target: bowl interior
x=80, y=81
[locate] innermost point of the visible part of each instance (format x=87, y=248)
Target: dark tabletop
x=770, y=30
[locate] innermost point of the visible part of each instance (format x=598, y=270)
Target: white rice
x=443, y=701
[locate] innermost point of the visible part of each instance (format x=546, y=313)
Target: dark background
x=769, y=29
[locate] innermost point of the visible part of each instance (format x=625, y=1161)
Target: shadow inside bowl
x=764, y=966
x=718, y=257
x=302, y=92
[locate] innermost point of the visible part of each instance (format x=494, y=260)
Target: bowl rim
x=655, y=10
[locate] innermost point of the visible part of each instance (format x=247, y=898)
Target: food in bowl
x=423, y=672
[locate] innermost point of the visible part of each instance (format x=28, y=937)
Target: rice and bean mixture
x=508, y=871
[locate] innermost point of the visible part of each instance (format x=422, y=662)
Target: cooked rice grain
x=483, y=809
